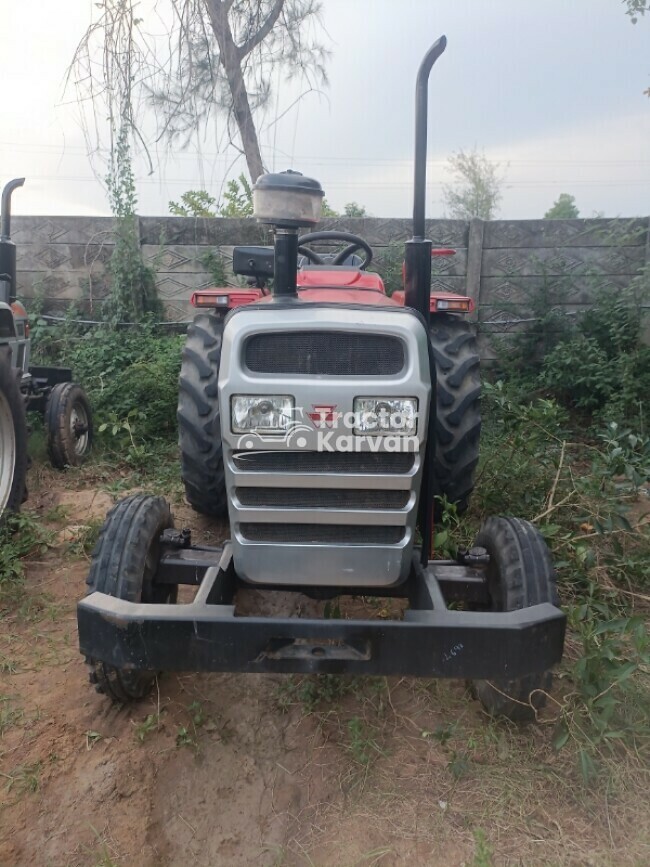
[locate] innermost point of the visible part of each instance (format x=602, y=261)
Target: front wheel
x=520, y=574
x=69, y=425
x=124, y=565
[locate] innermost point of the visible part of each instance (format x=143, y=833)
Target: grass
x=24, y=779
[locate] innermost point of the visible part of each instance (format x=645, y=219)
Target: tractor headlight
x=267, y=413
x=386, y=415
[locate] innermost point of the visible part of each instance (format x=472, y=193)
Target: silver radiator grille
x=323, y=534
x=325, y=353
x=322, y=498
x=370, y=463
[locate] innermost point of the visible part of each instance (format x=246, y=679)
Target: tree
x=218, y=56
x=476, y=190
x=564, y=208
x=636, y=9
x=352, y=209
x=237, y=202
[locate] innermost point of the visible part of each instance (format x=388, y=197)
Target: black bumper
x=431, y=641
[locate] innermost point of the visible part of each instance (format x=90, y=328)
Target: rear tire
x=199, y=421
x=69, y=425
x=13, y=438
x=458, y=415
x=520, y=574
x=123, y=566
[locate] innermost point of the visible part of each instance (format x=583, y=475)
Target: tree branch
x=263, y=32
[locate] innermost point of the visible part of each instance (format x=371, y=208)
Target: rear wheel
x=69, y=425
x=199, y=422
x=458, y=416
x=13, y=438
x=520, y=574
x=124, y=565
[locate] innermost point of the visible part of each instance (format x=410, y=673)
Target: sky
x=552, y=90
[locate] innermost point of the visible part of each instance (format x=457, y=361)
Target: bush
x=128, y=373
x=596, y=363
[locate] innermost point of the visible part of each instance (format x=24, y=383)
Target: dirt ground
x=271, y=770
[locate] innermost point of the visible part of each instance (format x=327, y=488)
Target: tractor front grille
x=322, y=498
x=321, y=534
x=324, y=353
x=359, y=463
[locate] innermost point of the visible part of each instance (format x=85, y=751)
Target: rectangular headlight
x=386, y=415
x=266, y=413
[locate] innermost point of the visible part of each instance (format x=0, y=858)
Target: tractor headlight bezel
x=386, y=416
x=261, y=413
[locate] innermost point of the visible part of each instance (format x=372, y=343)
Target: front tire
x=458, y=415
x=520, y=574
x=199, y=421
x=123, y=565
x=13, y=438
x=69, y=425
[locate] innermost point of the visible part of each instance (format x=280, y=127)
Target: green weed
x=150, y=724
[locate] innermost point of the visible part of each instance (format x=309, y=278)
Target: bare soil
x=271, y=770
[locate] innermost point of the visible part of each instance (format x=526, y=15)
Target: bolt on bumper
x=431, y=640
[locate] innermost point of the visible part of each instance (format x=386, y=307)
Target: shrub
x=127, y=373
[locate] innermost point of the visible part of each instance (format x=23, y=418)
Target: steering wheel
x=354, y=243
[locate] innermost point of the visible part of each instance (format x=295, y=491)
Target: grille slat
x=327, y=498
x=325, y=353
x=308, y=534
x=358, y=463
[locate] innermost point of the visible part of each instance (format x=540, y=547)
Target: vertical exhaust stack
x=287, y=201
x=7, y=246
x=417, y=256
x=417, y=278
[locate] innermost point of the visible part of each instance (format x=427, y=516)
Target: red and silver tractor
x=50, y=390
x=325, y=419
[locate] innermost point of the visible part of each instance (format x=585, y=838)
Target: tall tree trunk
x=229, y=53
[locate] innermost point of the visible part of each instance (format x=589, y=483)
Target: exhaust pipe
x=417, y=256
x=7, y=246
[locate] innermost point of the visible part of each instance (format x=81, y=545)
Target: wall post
x=474, y=262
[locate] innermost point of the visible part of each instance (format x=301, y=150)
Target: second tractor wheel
x=199, y=422
x=124, y=565
x=69, y=425
x=520, y=574
x=458, y=415
x=13, y=438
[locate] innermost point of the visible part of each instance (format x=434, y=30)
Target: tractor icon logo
x=324, y=416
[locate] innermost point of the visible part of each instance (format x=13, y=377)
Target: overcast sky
x=551, y=89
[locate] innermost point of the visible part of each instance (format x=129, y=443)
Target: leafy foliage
x=476, y=189
x=237, y=201
x=353, y=209
x=578, y=492
x=133, y=289
x=131, y=375
x=564, y=208
x=194, y=203
x=595, y=362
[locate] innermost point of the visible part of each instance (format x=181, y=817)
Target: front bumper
x=431, y=641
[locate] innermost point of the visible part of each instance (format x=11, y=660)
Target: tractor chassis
x=432, y=640
x=39, y=382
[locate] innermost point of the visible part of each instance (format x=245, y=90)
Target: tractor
x=326, y=420
x=49, y=390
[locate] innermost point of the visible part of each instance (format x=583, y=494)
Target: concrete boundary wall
x=502, y=264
